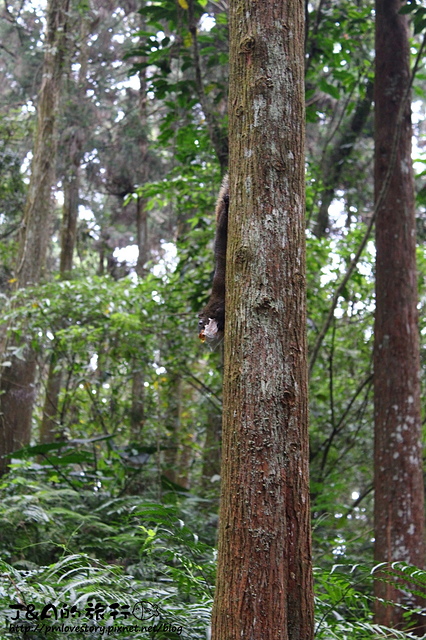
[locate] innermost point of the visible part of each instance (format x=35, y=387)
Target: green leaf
x=329, y=89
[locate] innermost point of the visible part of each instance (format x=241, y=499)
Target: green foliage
x=12, y=189
x=69, y=547
x=344, y=601
x=339, y=49
x=14, y=128
x=417, y=13
x=81, y=549
x=165, y=47
x=341, y=399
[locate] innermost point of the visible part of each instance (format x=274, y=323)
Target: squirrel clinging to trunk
x=211, y=322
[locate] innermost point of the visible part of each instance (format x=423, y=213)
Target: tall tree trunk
x=49, y=428
x=399, y=494
x=18, y=381
x=264, y=578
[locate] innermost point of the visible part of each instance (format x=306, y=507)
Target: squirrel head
x=209, y=330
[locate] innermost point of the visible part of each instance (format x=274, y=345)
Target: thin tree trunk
x=264, y=578
x=398, y=480
x=18, y=381
x=71, y=201
x=185, y=457
x=49, y=428
x=137, y=414
x=141, y=213
x=141, y=235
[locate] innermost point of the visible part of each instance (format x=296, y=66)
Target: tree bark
x=264, y=580
x=399, y=494
x=17, y=381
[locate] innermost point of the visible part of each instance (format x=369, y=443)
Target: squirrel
x=211, y=323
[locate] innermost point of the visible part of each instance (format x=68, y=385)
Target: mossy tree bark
x=264, y=582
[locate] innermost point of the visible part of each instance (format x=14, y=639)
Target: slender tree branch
x=340, y=424
x=10, y=231
x=198, y=384
x=361, y=386
x=13, y=55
